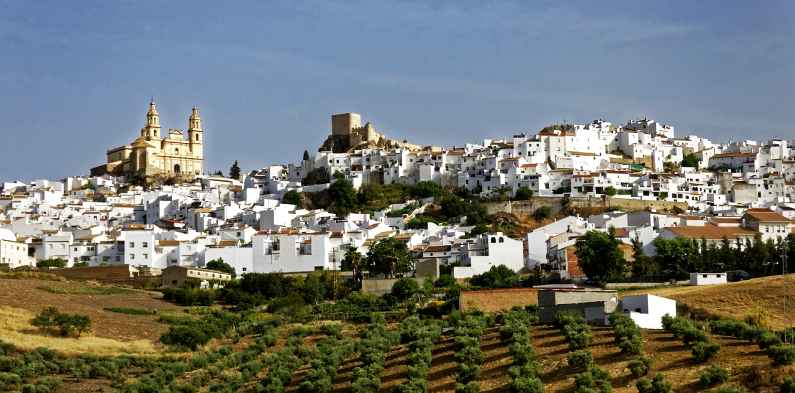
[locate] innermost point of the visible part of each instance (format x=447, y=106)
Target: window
x=145, y=245
x=637, y=310
x=502, y=240
x=244, y=269
x=704, y=276
x=132, y=256
x=146, y=256
x=494, y=240
x=132, y=244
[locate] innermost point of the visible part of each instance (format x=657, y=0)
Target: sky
x=76, y=76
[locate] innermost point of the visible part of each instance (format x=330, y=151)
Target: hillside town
x=151, y=207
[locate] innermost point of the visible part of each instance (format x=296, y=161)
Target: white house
x=489, y=250
x=13, y=253
x=648, y=310
x=707, y=278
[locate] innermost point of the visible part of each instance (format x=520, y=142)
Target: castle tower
x=152, y=128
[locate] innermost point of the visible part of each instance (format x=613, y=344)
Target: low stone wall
x=529, y=206
x=115, y=274
x=381, y=286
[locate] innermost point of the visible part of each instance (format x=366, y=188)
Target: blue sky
x=75, y=77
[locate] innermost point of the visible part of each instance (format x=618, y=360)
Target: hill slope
x=765, y=296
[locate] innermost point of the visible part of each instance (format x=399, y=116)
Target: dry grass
x=494, y=300
x=15, y=328
x=761, y=297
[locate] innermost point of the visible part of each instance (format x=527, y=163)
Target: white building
x=487, y=251
x=648, y=310
x=707, y=278
x=13, y=253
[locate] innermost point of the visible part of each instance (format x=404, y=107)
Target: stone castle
x=348, y=133
x=151, y=157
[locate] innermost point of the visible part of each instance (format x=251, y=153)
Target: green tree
x=523, y=194
x=610, y=191
x=405, y=288
x=313, y=289
x=343, y=197
x=389, y=257
x=690, y=160
x=316, y=176
x=52, y=262
x=293, y=197
x=496, y=277
x=353, y=262
x=234, y=171
x=599, y=256
x=220, y=266
x=427, y=189
x=542, y=213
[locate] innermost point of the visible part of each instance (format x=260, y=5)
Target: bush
x=471, y=387
x=130, y=311
x=703, y=351
x=639, y=366
x=580, y=359
x=593, y=380
x=656, y=385
x=713, y=375
x=405, y=288
x=67, y=324
x=527, y=385
x=9, y=381
x=731, y=389
x=788, y=386
x=783, y=354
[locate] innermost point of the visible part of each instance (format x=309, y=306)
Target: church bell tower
x=152, y=128
x=196, y=133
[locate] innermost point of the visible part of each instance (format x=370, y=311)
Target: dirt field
x=748, y=365
x=493, y=300
x=21, y=299
x=765, y=296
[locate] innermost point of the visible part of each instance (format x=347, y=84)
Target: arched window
x=502, y=240
x=494, y=240
x=176, y=168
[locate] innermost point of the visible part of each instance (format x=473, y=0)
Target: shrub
x=593, y=380
x=130, y=311
x=767, y=339
x=639, y=366
x=656, y=385
x=788, y=386
x=580, y=359
x=703, y=351
x=731, y=389
x=530, y=384
x=67, y=324
x=405, y=288
x=9, y=381
x=470, y=387
x=713, y=375
x=783, y=354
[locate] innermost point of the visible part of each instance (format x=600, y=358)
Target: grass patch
x=131, y=311
x=84, y=290
x=15, y=328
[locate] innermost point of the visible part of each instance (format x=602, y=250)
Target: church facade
x=176, y=155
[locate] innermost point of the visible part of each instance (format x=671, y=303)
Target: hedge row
x=779, y=352
x=626, y=333
x=700, y=345
x=577, y=332
x=468, y=356
x=420, y=336
x=524, y=372
x=320, y=378
x=375, y=341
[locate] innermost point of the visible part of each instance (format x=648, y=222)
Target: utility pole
x=789, y=334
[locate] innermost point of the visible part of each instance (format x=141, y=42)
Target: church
x=179, y=155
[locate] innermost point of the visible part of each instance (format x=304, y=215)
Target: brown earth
x=748, y=366
x=494, y=300
x=26, y=294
